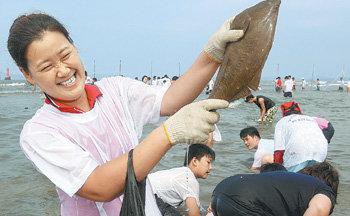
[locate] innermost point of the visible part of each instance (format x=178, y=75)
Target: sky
x=165, y=37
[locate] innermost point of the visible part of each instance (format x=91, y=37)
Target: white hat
x=302, y=78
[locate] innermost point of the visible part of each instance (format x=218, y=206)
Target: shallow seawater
x=23, y=191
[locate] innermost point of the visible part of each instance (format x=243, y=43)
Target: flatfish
x=244, y=60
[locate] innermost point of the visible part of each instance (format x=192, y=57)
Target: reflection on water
x=26, y=192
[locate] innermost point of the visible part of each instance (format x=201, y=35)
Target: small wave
x=15, y=92
x=12, y=84
x=235, y=104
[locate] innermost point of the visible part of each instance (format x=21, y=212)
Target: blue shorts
x=301, y=166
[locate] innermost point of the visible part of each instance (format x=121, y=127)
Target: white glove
x=194, y=122
x=215, y=48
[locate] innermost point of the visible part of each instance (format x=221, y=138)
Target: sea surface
x=23, y=191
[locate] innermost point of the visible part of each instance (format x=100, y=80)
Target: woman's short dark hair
x=28, y=28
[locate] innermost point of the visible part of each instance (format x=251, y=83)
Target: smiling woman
x=81, y=136
x=57, y=69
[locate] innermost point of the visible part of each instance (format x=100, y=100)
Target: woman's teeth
x=71, y=80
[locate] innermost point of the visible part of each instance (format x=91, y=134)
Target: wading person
x=341, y=85
x=318, y=84
x=303, y=84
x=288, y=87
x=278, y=84
x=266, y=105
x=81, y=136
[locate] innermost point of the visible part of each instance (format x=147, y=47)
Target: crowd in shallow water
x=84, y=137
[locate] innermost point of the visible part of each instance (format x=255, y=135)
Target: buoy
x=7, y=77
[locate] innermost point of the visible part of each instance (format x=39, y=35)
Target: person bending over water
x=264, y=152
x=312, y=192
x=298, y=139
x=178, y=185
x=266, y=105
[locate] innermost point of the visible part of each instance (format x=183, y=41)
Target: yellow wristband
x=166, y=132
x=211, y=58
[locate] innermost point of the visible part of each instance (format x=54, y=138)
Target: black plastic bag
x=134, y=193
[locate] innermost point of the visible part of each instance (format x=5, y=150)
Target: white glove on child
x=194, y=122
x=215, y=48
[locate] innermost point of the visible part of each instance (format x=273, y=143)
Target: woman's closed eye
x=66, y=56
x=45, y=68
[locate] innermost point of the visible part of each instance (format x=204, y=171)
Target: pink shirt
x=322, y=123
x=67, y=147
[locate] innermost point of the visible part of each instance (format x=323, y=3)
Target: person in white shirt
x=145, y=79
x=81, y=137
x=303, y=84
x=88, y=79
x=175, y=186
x=214, y=137
x=154, y=81
x=166, y=80
x=341, y=85
x=211, y=86
x=288, y=86
x=264, y=147
x=160, y=81
x=166, y=83
x=298, y=141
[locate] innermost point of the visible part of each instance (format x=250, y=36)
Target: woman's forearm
x=107, y=182
x=189, y=85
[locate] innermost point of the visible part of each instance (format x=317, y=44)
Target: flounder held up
x=244, y=59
